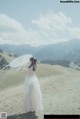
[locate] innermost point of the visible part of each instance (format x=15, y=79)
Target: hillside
x=5, y=59
x=65, y=51
x=14, y=77
x=59, y=85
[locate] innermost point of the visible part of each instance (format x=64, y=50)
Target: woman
x=33, y=96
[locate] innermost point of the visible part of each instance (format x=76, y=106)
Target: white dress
x=32, y=93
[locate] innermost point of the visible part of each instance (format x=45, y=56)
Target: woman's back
x=31, y=72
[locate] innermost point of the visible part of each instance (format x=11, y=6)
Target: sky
x=38, y=22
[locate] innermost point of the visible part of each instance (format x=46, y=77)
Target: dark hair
x=31, y=59
x=33, y=64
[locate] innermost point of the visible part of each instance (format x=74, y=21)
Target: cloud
x=56, y=27
x=12, y=32
x=53, y=22
x=51, y=28
x=75, y=31
x=9, y=25
x=27, y=37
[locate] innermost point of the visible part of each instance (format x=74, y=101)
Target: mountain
x=65, y=51
x=18, y=49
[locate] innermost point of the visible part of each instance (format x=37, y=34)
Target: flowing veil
x=19, y=62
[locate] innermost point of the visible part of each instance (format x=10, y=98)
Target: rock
x=3, y=62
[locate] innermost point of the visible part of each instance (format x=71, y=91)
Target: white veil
x=22, y=61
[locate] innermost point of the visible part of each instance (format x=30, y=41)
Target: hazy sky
x=38, y=22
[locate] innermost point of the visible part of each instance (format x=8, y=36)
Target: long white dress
x=32, y=93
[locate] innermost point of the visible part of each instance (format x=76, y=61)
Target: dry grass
x=60, y=89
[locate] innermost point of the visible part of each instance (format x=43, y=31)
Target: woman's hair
x=33, y=63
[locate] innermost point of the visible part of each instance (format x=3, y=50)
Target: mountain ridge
x=68, y=50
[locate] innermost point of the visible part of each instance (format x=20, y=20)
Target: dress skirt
x=32, y=94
